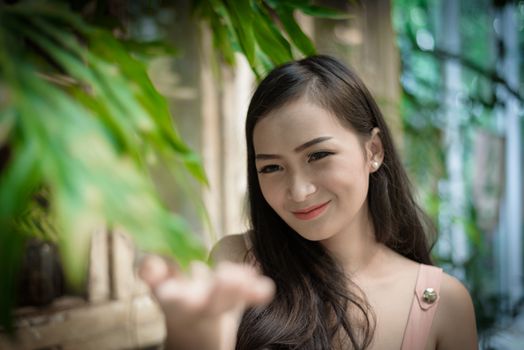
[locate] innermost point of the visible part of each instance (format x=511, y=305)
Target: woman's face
x=313, y=171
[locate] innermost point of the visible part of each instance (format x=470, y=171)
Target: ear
x=374, y=151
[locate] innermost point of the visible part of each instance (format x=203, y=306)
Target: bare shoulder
x=229, y=248
x=455, y=317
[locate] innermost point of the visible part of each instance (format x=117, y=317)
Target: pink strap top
x=423, y=308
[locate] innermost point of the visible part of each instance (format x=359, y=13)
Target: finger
x=187, y=292
x=203, y=293
x=261, y=291
x=198, y=286
x=198, y=271
x=153, y=270
x=256, y=288
x=187, y=298
x=237, y=286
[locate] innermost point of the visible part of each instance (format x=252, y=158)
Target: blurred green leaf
x=323, y=12
x=81, y=119
x=86, y=135
x=295, y=33
x=19, y=179
x=268, y=37
x=240, y=14
x=216, y=14
x=307, y=8
x=247, y=27
x=148, y=48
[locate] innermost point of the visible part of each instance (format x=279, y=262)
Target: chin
x=314, y=236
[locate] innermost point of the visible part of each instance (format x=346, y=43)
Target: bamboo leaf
x=117, y=119
x=291, y=3
x=112, y=90
x=242, y=24
x=223, y=40
x=89, y=196
x=323, y=12
x=295, y=33
x=271, y=42
x=149, y=48
x=146, y=94
x=19, y=179
x=7, y=120
x=216, y=15
x=265, y=64
x=114, y=86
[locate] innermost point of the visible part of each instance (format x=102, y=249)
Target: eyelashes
x=318, y=155
x=311, y=157
x=269, y=169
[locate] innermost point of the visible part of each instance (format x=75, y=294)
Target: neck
x=355, y=248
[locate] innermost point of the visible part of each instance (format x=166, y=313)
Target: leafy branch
x=81, y=122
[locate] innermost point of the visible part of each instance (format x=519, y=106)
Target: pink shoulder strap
x=425, y=301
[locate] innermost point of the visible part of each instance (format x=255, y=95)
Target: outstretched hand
x=203, y=308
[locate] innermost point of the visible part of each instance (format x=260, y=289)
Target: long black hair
x=310, y=309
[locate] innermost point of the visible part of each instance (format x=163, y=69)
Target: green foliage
x=265, y=31
x=81, y=125
x=81, y=120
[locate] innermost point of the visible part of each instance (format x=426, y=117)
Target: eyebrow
x=300, y=148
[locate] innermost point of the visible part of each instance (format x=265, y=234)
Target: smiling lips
x=311, y=212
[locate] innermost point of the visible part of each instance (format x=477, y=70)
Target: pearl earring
x=375, y=164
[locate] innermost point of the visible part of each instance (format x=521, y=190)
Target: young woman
x=335, y=228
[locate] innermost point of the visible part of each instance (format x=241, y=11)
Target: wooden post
x=119, y=312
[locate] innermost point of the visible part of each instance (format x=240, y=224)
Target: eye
x=269, y=169
x=318, y=155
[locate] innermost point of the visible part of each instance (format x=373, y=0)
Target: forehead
x=296, y=123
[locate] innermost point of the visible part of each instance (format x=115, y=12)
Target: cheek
x=349, y=182
x=270, y=191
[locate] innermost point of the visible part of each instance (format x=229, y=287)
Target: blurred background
x=121, y=124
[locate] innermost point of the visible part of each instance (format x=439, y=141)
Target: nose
x=300, y=187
